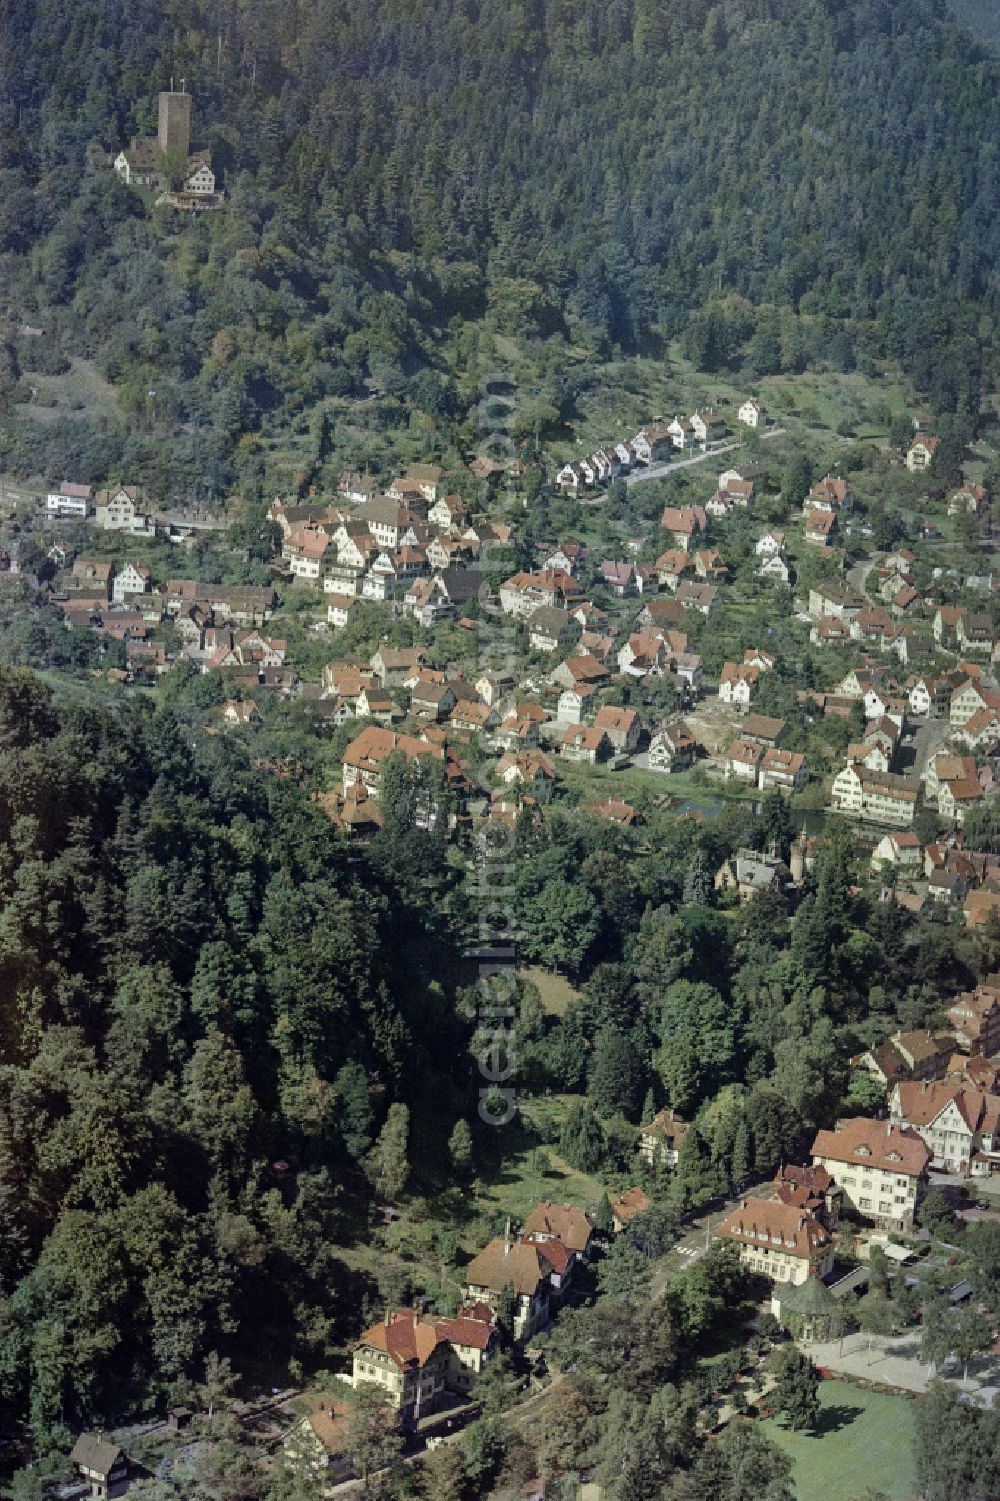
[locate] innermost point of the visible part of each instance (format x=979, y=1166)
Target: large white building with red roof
x=778, y=1240
x=879, y=1166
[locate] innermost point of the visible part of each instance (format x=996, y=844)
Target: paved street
x=661, y=471
x=690, y=1248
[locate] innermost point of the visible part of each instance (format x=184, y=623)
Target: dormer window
x=893, y=1156
x=863, y=1151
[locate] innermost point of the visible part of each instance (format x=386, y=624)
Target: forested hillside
x=203, y=1009
x=396, y=173
x=982, y=16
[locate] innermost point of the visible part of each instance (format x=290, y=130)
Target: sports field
x=865, y=1441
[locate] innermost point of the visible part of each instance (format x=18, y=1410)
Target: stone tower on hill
x=174, y=131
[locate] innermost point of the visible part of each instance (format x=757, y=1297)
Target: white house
x=69, y=500
x=341, y=609
x=753, y=413
x=130, y=578
x=738, y=683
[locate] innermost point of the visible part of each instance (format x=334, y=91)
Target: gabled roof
x=769, y=1222
x=516, y=1264
x=407, y=1339
x=95, y=1453
x=894, y=1149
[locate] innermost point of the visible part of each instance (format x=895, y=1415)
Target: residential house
x=562, y=1222
x=700, y=597
x=819, y=527
x=614, y=810
x=709, y=564
x=836, y=597
x=974, y=1017
x=392, y=666
x=552, y=630
x=778, y=1241
x=770, y=545
x=974, y=633
x=407, y=1358
x=101, y=1465
x=880, y=797
x=522, y=1266
x=92, y=577
x=671, y=567
x=474, y=717
x=128, y=580
x=585, y=743
x=879, y=1166
x=386, y=519
x=956, y=798
x=241, y=711
x=118, y=509
x=743, y=759
x=569, y=557
x=750, y=871
x=683, y=524
x=681, y=432
x=365, y=757
x=928, y=696
x=318, y=1441
x=774, y=569
x=627, y=1207
x=969, y=699
x=433, y=701
x=622, y=727
x=971, y=500
x=956, y=1123
x=532, y=770
x=574, y=701
x=659, y=1141
x=897, y=851
x=738, y=683
x=672, y=748
x=620, y=579
x=653, y=443
x=809, y=1188
x=753, y=413
x=908, y=1055
x=920, y=454
x=581, y=669
x=341, y=610
x=427, y=478
x=782, y=770
x=981, y=732
x=708, y=426
x=69, y=500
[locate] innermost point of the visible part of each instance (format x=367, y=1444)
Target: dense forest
x=203, y=1008
x=981, y=15
x=777, y=181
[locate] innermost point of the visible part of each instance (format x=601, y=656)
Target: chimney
x=506, y=1240
x=387, y=1319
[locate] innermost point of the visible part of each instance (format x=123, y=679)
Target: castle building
x=145, y=163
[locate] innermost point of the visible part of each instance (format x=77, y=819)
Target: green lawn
x=866, y=1441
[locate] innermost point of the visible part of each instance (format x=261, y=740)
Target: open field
x=519, y=1173
x=81, y=390
x=865, y=1439
x=554, y=991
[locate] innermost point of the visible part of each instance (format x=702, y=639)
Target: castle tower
x=174, y=132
